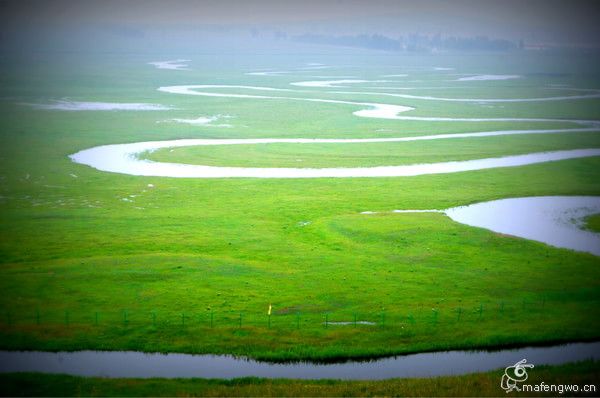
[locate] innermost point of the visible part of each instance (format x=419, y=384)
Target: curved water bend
x=123, y=158
x=138, y=364
x=554, y=220
x=373, y=110
x=477, y=100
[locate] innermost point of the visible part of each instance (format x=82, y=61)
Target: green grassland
x=593, y=223
x=479, y=384
x=372, y=154
x=94, y=260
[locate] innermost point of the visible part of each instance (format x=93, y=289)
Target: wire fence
x=212, y=319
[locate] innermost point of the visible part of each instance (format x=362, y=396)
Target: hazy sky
x=546, y=21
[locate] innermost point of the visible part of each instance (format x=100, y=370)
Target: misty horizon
x=188, y=25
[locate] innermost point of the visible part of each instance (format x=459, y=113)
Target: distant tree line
x=413, y=43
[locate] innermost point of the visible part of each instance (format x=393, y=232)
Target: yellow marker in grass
x=269, y=313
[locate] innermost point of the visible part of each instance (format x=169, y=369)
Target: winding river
x=552, y=220
x=373, y=109
x=124, y=158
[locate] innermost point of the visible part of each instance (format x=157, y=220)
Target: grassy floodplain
x=94, y=260
x=372, y=154
x=482, y=384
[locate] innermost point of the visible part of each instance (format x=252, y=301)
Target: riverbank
x=478, y=384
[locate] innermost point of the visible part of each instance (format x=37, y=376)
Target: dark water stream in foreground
x=142, y=365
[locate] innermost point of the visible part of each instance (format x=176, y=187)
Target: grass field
x=593, y=223
x=372, y=154
x=94, y=260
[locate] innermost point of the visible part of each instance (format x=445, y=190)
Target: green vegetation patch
x=96, y=260
x=372, y=154
x=479, y=384
x=593, y=222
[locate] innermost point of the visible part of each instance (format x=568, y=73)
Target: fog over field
x=199, y=25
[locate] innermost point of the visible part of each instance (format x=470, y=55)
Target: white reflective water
x=593, y=94
x=554, y=220
x=123, y=158
x=175, y=64
x=329, y=83
x=487, y=77
x=373, y=110
x=63, y=105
